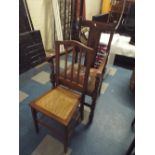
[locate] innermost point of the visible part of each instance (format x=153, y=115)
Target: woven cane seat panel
x=59, y=102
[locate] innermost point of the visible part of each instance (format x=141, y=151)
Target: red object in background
x=100, y=54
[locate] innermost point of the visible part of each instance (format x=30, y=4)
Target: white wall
x=93, y=7
x=41, y=15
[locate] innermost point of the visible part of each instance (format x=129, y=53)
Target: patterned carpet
x=110, y=132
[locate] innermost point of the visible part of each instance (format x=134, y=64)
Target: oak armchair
x=95, y=29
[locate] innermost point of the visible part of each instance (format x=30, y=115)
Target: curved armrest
x=99, y=71
x=102, y=66
x=49, y=58
x=98, y=74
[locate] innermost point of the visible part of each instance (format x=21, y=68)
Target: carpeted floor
x=110, y=132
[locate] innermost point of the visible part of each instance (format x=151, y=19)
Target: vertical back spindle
x=79, y=66
x=66, y=59
x=73, y=61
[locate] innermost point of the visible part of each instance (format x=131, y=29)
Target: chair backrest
x=74, y=57
x=95, y=30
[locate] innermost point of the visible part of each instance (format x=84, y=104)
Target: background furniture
x=68, y=18
x=31, y=50
x=64, y=103
x=123, y=51
x=127, y=27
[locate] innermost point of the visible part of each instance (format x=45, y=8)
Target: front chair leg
x=34, y=115
x=65, y=139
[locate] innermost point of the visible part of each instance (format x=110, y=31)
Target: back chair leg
x=52, y=80
x=91, y=116
x=82, y=107
x=34, y=115
x=52, y=77
x=99, y=92
x=82, y=111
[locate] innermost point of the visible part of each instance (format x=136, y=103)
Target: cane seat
x=60, y=103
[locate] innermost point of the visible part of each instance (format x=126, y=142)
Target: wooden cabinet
x=31, y=50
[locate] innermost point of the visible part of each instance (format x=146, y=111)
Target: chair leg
x=82, y=107
x=52, y=77
x=52, y=80
x=99, y=92
x=82, y=111
x=133, y=123
x=131, y=147
x=65, y=139
x=91, y=116
x=34, y=115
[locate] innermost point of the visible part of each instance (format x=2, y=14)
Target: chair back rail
x=70, y=79
x=95, y=30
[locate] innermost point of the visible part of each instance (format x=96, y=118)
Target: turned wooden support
x=65, y=139
x=34, y=115
x=94, y=98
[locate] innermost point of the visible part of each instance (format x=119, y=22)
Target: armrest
x=102, y=66
x=99, y=71
x=51, y=57
x=98, y=75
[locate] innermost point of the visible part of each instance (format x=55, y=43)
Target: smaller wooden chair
x=64, y=103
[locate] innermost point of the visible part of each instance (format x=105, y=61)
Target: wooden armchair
x=100, y=58
x=99, y=63
x=64, y=103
